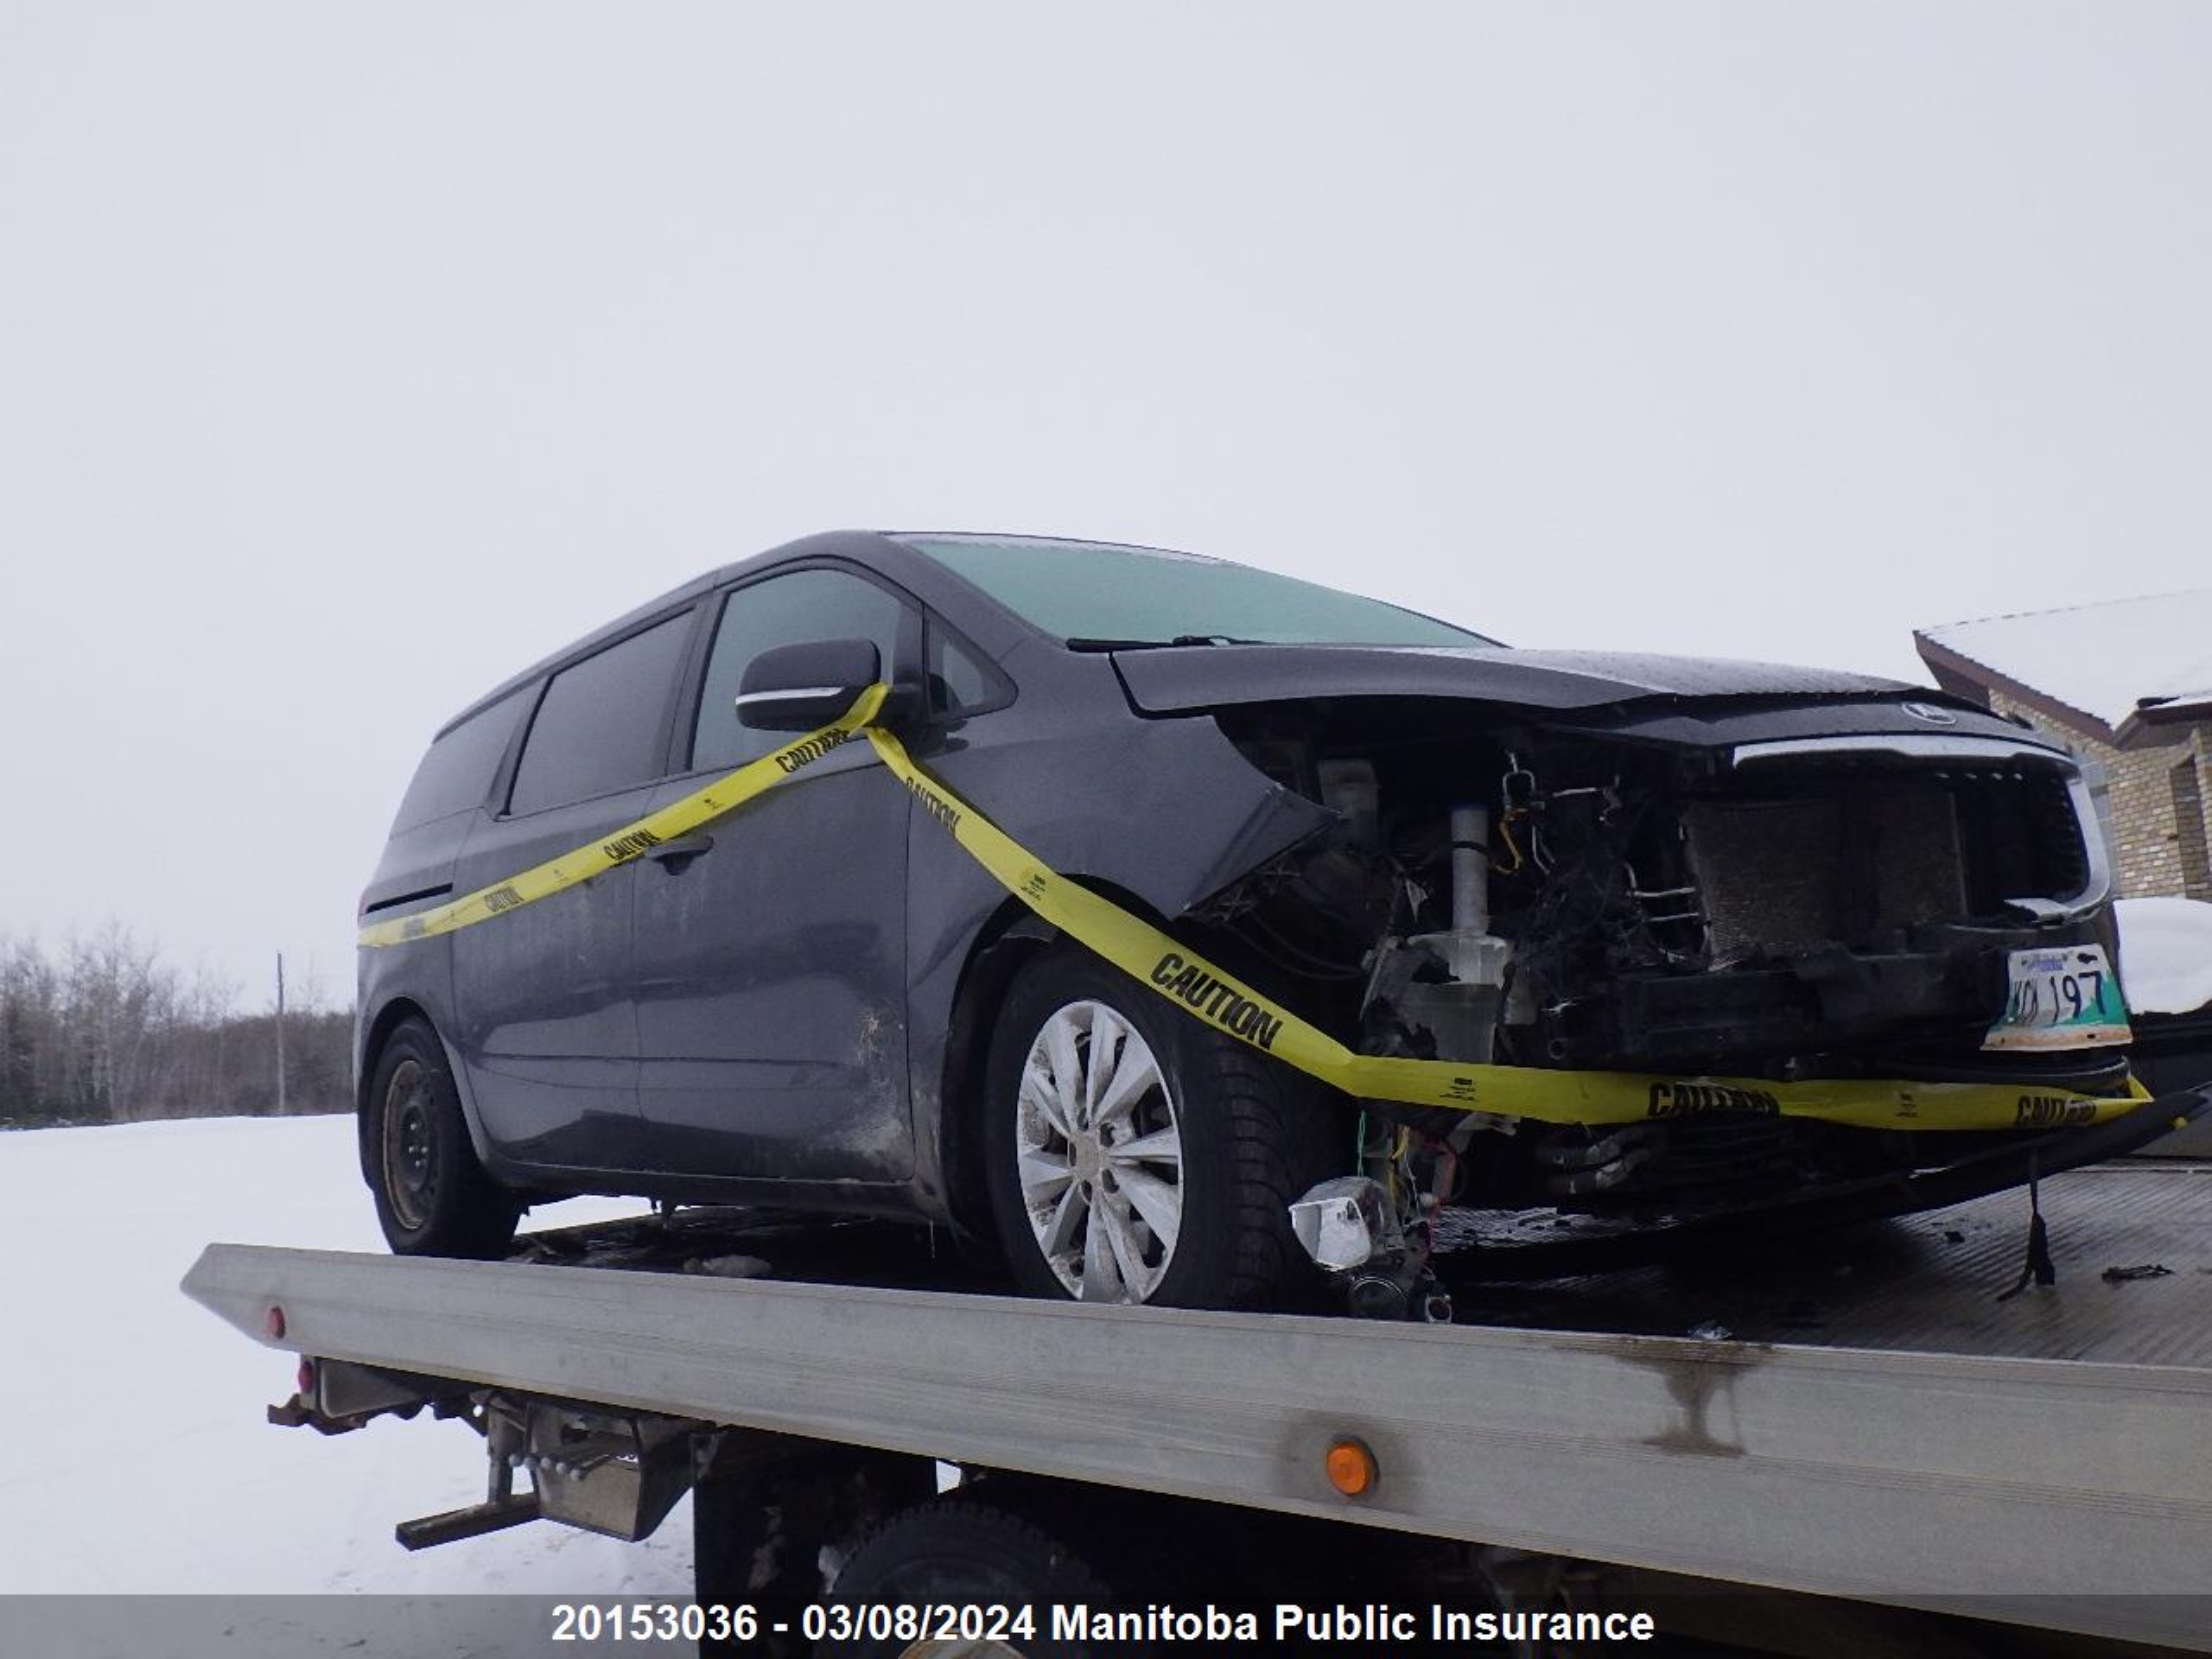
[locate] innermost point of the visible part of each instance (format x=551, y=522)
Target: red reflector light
x=306, y=1377
x=275, y=1322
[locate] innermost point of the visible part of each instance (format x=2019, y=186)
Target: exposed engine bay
x=1685, y=896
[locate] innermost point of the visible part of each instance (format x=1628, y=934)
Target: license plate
x=2065, y=997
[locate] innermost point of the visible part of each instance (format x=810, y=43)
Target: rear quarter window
x=455, y=776
x=601, y=726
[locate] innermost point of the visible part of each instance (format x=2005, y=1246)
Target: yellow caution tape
x=727, y=793
x=1219, y=998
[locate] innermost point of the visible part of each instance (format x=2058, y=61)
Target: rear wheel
x=433, y=1197
x=956, y=1553
x=1135, y=1155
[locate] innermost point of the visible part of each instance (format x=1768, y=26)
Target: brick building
x=2127, y=684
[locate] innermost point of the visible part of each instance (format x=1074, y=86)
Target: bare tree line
x=103, y=1031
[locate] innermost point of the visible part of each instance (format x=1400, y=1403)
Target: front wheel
x=1135, y=1155
x=433, y=1197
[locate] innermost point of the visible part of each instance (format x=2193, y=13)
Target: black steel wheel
x=433, y=1197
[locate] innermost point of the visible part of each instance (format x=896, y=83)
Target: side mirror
x=798, y=688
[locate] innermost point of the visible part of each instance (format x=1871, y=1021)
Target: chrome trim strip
x=795, y=694
x=1909, y=746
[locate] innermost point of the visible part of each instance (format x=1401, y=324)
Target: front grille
x=2061, y=858
x=1780, y=876
x=1859, y=857
x=2023, y=839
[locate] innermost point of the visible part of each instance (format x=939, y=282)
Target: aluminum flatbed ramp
x=2073, y=1492
x=1932, y=1282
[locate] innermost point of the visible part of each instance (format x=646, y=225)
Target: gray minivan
x=1715, y=880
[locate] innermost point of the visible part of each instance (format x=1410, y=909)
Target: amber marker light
x=1351, y=1468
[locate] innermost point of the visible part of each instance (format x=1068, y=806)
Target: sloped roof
x=2118, y=660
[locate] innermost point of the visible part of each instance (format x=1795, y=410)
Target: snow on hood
x=1164, y=680
x=2166, y=953
x=1697, y=676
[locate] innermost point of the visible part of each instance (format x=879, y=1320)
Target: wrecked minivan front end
x=1726, y=885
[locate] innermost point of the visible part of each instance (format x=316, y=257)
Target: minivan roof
x=866, y=546
x=891, y=554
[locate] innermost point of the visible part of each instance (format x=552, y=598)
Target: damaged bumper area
x=1744, y=886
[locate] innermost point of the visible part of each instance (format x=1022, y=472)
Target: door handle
x=675, y=854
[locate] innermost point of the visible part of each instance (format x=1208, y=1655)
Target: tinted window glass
x=1093, y=591
x=456, y=774
x=958, y=680
x=804, y=607
x=599, y=728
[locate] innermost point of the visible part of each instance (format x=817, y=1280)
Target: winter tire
x=1135, y=1155
x=433, y=1197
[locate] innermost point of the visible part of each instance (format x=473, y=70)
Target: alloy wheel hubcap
x=1099, y=1152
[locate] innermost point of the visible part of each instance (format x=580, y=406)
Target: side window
x=959, y=680
x=789, y=610
x=456, y=774
x=599, y=726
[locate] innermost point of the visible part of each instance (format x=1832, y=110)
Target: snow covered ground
x=134, y=1458
x=2166, y=953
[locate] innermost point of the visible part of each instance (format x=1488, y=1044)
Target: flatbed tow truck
x=1857, y=1415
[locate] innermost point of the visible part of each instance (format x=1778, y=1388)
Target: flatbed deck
x=1931, y=1282
x=1928, y=1282
x=1873, y=1423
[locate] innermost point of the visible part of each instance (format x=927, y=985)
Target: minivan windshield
x=1095, y=594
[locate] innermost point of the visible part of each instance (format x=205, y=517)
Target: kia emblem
x=1930, y=713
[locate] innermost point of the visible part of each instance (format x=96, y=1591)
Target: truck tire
x=433, y=1197
x=953, y=1551
x=1134, y=1154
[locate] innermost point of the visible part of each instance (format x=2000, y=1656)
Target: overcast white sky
x=350, y=358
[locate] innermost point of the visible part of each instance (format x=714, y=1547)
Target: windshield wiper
x=1160, y=645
